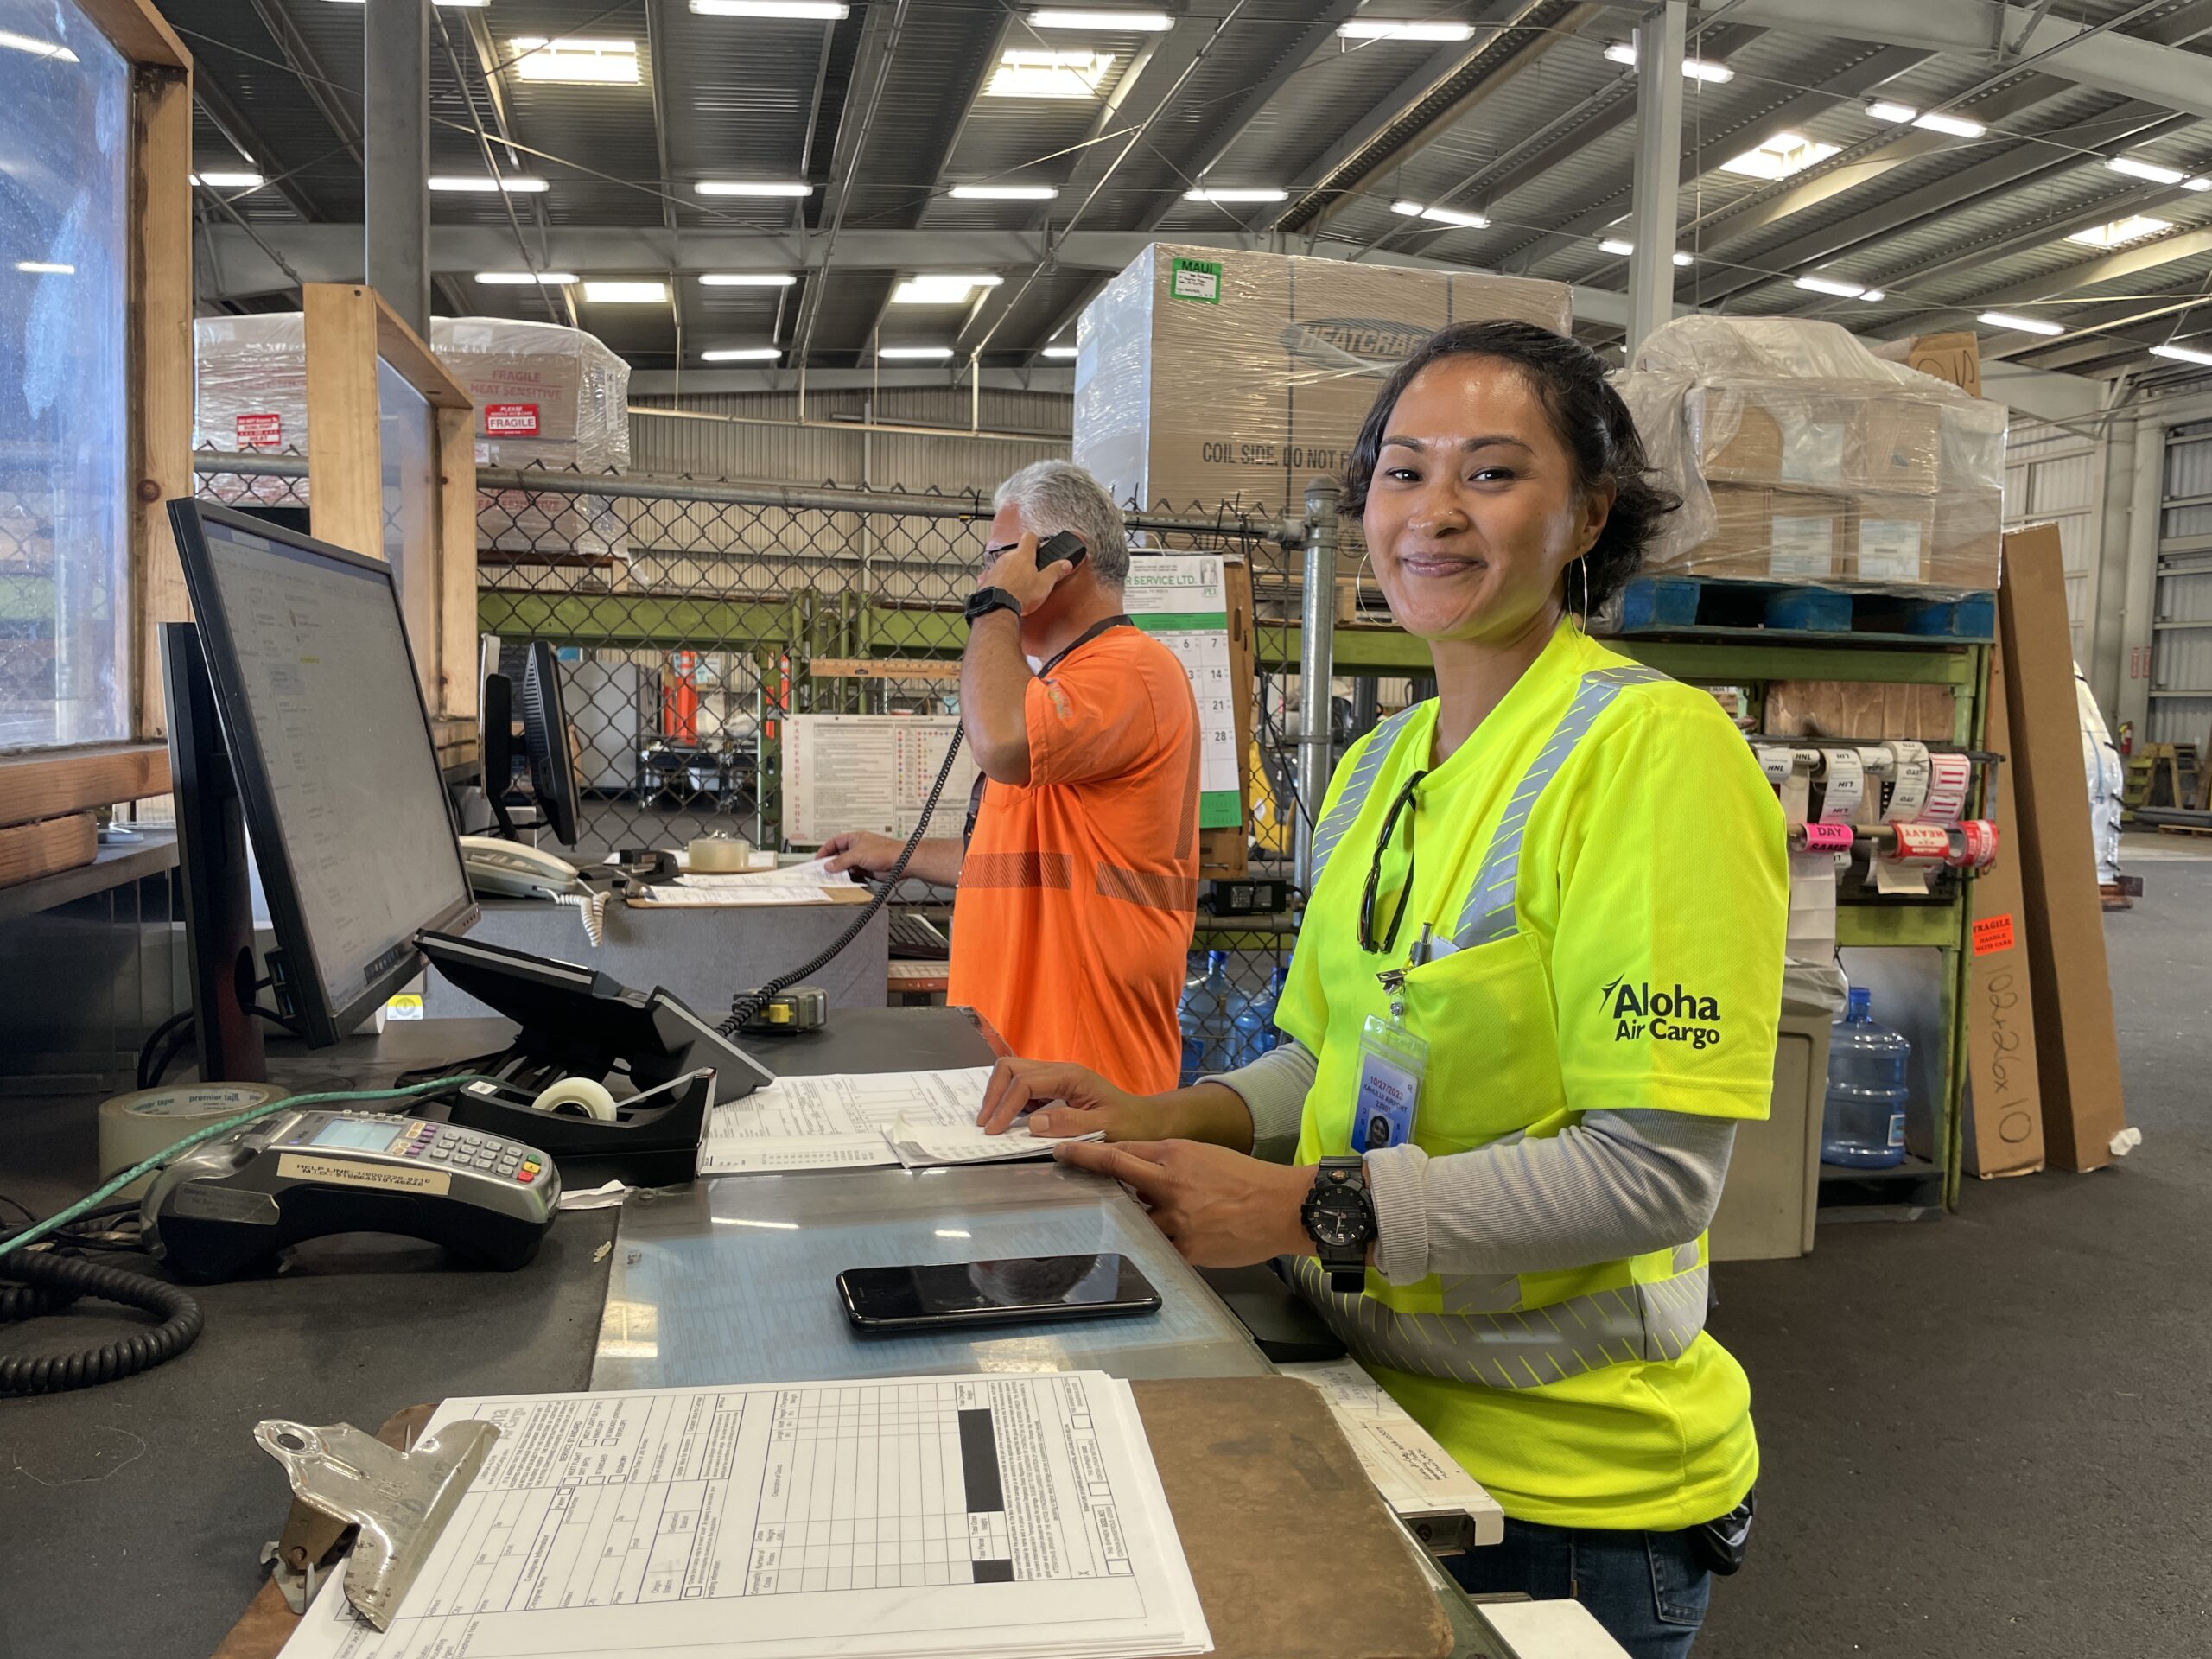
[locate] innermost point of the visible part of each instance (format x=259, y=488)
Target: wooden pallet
x=2185, y=829
x=1670, y=604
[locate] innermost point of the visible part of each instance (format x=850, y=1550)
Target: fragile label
x=1195, y=279
x=511, y=420
x=260, y=431
x=301, y=1166
x=1993, y=933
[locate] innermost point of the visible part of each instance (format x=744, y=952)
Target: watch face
x=1337, y=1218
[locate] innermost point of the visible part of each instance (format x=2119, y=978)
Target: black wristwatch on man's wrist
x=1339, y=1217
x=984, y=601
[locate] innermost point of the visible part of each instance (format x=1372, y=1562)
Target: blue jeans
x=1644, y=1587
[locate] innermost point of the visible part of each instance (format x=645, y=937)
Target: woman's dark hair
x=1592, y=421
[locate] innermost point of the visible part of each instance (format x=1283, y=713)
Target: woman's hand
x=1220, y=1209
x=1083, y=1102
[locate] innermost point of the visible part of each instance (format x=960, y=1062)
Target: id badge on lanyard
x=1393, y=1061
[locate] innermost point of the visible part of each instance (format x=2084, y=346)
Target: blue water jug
x=1863, y=1123
x=1255, y=1023
x=1208, y=1018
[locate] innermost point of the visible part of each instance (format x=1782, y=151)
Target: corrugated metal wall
x=2052, y=476
x=2181, y=652
x=819, y=453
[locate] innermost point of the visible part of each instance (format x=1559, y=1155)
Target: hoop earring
x=1583, y=563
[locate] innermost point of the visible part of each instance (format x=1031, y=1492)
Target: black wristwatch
x=984, y=601
x=1339, y=1218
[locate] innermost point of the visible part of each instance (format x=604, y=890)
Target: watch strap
x=984, y=601
x=1346, y=1265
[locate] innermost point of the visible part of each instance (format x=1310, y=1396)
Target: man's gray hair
x=1056, y=495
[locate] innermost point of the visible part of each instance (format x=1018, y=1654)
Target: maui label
x=1665, y=1014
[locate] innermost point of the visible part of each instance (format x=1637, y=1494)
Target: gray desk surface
x=130, y=1514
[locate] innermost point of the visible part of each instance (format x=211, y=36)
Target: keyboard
x=914, y=939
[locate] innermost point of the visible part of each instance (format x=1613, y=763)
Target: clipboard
x=1293, y=1554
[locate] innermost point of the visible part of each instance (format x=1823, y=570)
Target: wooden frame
x=350, y=330
x=157, y=298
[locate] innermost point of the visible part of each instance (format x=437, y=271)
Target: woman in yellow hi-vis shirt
x=1535, y=990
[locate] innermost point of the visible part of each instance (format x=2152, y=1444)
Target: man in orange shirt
x=1078, y=879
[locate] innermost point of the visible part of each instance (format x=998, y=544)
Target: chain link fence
x=692, y=618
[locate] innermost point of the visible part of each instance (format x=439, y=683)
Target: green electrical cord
x=290, y=1102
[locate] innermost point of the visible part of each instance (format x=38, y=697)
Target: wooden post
x=459, y=674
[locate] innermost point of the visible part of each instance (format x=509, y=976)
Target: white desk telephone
x=508, y=869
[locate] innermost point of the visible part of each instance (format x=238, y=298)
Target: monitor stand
x=213, y=858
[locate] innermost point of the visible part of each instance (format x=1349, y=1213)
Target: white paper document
x=987, y=1516
x=917, y=1118
x=1181, y=599
x=1415, y=1476
x=869, y=772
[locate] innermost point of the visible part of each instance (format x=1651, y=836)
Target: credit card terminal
x=231, y=1204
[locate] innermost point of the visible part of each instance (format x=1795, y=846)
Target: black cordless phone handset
x=1061, y=544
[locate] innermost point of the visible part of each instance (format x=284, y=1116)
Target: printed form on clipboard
x=1182, y=601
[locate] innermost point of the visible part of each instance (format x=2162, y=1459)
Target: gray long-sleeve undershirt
x=1618, y=1184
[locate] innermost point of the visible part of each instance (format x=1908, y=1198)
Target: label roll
x=1909, y=775
x=133, y=1128
x=1843, y=784
x=1949, y=778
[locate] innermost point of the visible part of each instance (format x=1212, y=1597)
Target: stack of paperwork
x=919, y=1119
x=811, y=883
x=997, y=1516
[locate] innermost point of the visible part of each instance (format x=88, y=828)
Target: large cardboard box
x=1892, y=539
x=1762, y=534
x=1207, y=376
x=2004, y=1115
x=1954, y=358
x=2077, y=1051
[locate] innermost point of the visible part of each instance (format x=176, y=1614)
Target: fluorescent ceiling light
x=513, y=183
x=1894, y=114
x=1254, y=195
x=2182, y=354
x=752, y=187
x=45, y=268
x=626, y=292
x=2117, y=234
x=474, y=4
x=2196, y=184
x=916, y=353
x=1440, y=215
x=820, y=11
x=1390, y=28
x=1872, y=295
x=524, y=278
x=1957, y=125
x=37, y=49
x=1003, y=192
x=1694, y=68
x=577, y=59
x=1614, y=244
x=743, y=354
x=2026, y=325
x=934, y=290
x=2141, y=169
x=228, y=180
x=1060, y=351
x=747, y=279
x=1134, y=22
x=1023, y=73
x=1779, y=156
x=1828, y=285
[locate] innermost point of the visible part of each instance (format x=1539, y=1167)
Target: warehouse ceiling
x=1947, y=157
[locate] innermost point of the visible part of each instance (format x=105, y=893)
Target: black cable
x=146, y=1048
x=48, y=1280
x=744, y=1006
x=185, y=1030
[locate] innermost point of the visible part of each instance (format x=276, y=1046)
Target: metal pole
x=396, y=163
x=2145, y=525
x=1658, y=179
x=1316, y=657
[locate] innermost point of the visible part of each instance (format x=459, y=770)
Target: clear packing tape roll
x=133, y=1128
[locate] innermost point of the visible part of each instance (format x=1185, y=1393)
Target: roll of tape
x=1910, y=774
x=1827, y=838
x=577, y=1097
x=1798, y=792
x=133, y=1128
x=1949, y=778
x=1843, y=784
x=1778, y=765
x=721, y=854
x=1880, y=766
x=1922, y=843
x=1973, y=845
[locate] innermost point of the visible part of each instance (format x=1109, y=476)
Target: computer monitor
x=302, y=659
x=495, y=742
x=547, y=740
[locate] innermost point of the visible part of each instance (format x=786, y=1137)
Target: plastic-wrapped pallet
x=1207, y=377
x=1801, y=456
x=545, y=396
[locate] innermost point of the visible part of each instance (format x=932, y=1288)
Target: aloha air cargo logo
x=1360, y=345
x=1664, y=1015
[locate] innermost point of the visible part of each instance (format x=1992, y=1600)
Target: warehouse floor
x=1985, y=1435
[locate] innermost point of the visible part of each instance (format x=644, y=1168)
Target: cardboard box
x=2004, y=1110
x=1769, y=535
x=1207, y=376
x=2077, y=1052
x=1969, y=539
x=1953, y=358
x=1898, y=445
x=1891, y=539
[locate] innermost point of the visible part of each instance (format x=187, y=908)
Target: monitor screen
x=335, y=762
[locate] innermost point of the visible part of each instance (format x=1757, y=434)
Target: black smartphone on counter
x=1017, y=1290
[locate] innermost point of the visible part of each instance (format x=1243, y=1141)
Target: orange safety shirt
x=1080, y=890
